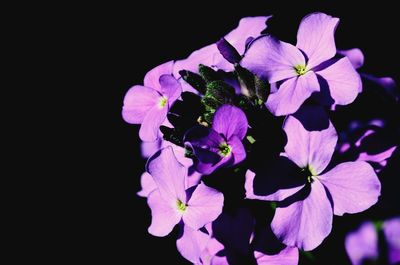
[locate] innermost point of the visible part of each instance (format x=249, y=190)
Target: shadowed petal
x=230, y=120
x=292, y=93
x=274, y=188
x=343, y=81
x=164, y=215
x=362, y=244
x=305, y=224
x=203, y=207
x=391, y=229
x=168, y=174
x=192, y=243
x=354, y=187
x=138, y=101
x=355, y=56
x=316, y=39
x=309, y=149
x=288, y=256
x=151, y=123
x=151, y=79
x=272, y=59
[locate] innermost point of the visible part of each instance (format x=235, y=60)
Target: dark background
x=96, y=53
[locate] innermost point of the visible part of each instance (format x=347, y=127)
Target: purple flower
x=305, y=68
x=349, y=187
x=148, y=105
x=220, y=145
x=170, y=203
x=288, y=256
x=362, y=245
x=192, y=244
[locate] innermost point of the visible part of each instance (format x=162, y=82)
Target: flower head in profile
x=148, y=105
x=305, y=68
x=304, y=219
x=170, y=203
x=220, y=145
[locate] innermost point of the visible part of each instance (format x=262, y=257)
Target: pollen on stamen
x=300, y=69
x=224, y=149
x=181, y=206
x=162, y=102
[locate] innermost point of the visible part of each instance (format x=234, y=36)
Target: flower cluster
x=249, y=156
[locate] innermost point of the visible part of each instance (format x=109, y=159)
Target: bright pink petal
x=192, y=244
x=164, y=215
x=151, y=79
x=138, y=101
x=355, y=56
x=149, y=129
x=171, y=88
x=230, y=120
x=168, y=174
x=316, y=38
x=287, y=256
x=272, y=59
x=354, y=187
x=312, y=150
x=362, y=244
x=148, y=185
x=305, y=224
x=203, y=207
x=343, y=81
x=292, y=93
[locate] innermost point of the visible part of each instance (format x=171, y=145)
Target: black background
x=96, y=53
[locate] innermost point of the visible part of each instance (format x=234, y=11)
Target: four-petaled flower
x=304, y=68
x=220, y=145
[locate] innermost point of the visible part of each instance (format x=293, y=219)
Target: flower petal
x=151, y=123
x=192, y=243
x=355, y=56
x=229, y=121
x=362, y=244
x=204, y=56
x=391, y=229
x=316, y=39
x=151, y=79
x=272, y=59
x=138, y=101
x=274, y=184
x=305, y=223
x=204, y=206
x=292, y=93
x=248, y=27
x=171, y=88
x=164, y=216
x=148, y=185
x=312, y=150
x=343, y=81
x=288, y=256
x=168, y=174
x=238, y=151
x=354, y=187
